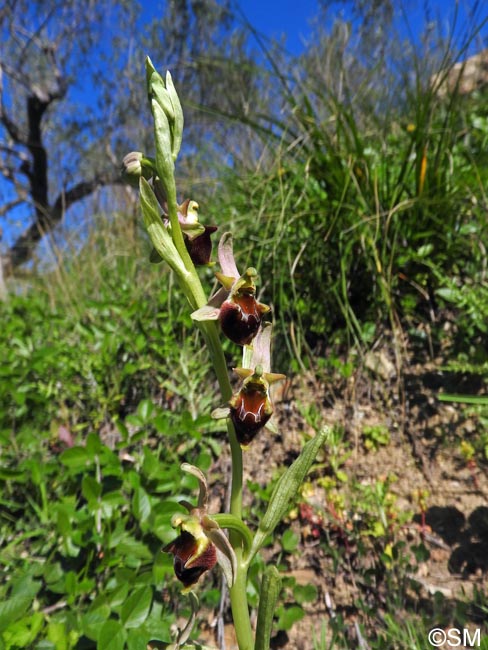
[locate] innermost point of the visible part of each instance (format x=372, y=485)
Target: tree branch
x=47, y=218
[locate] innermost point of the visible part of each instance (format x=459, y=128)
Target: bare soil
x=440, y=499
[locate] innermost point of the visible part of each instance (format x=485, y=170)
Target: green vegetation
x=366, y=217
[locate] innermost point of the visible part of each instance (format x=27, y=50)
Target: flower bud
x=135, y=165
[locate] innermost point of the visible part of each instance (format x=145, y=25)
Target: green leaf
x=164, y=155
x=136, y=640
x=76, y=458
x=118, y=595
x=93, y=620
x=178, y=113
x=141, y=505
x=145, y=409
x=112, y=636
x=93, y=444
x=288, y=616
x=56, y=634
x=12, y=609
x=23, y=633
x=451, y=295
x=305, y=593
x=480, y=400
x=287, y=488
x=90, y=488
x=268, y=597
x=136, y=608
x=290, y=541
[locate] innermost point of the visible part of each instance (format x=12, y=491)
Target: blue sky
x=292, y=20
x=274, y=18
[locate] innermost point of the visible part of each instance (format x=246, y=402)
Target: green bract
x=160, y=237
x=287, y=488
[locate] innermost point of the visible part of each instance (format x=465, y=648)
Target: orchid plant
x=181, y=241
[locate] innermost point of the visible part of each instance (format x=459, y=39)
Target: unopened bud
x=135, y=165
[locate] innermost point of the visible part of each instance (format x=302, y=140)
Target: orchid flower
x=234, y=305
x=250, y=408
x=201, y=542
x=196, y=235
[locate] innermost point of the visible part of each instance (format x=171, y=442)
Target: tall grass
x=375, y=199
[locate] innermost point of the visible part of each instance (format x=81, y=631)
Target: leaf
x=164, y=155
x=145, y=409
x=136, y=608
x=287, y=488
x=425, y=250
x=112, y=636
x=90, y=488
x=451, y=295
x=268, y=597
x=289, y=541
x=136, y=640
x=178, y=115
x=159, y=235
x=305, y=593
x=288, y=616
x=141, y=505
x=93, y=620
x=118, y=595
x=132, y=548
x=76, y=458
x=12, y=609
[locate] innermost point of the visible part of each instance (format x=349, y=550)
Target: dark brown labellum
x=200, y=248
x=186, y=570
x=249, y=413
x=240, y=318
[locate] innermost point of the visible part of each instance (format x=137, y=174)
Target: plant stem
x=240, y=609
x=234, y=524
x=238, y=595
x=196, y=295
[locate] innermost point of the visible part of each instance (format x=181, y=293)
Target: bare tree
x=44, y=45
x=72, y=99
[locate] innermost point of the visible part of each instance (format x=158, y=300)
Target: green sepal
x=159, y=235
x=268, y=597
x=287, y=488
x=192, y=230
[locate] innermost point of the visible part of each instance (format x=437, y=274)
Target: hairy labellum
x=250, y=409
x=190, y=561
x=240, y=317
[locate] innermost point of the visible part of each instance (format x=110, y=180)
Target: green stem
x=234, y=524
x=196, y=294
x=177, y=235
x=240, y=608
x=238, y=595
